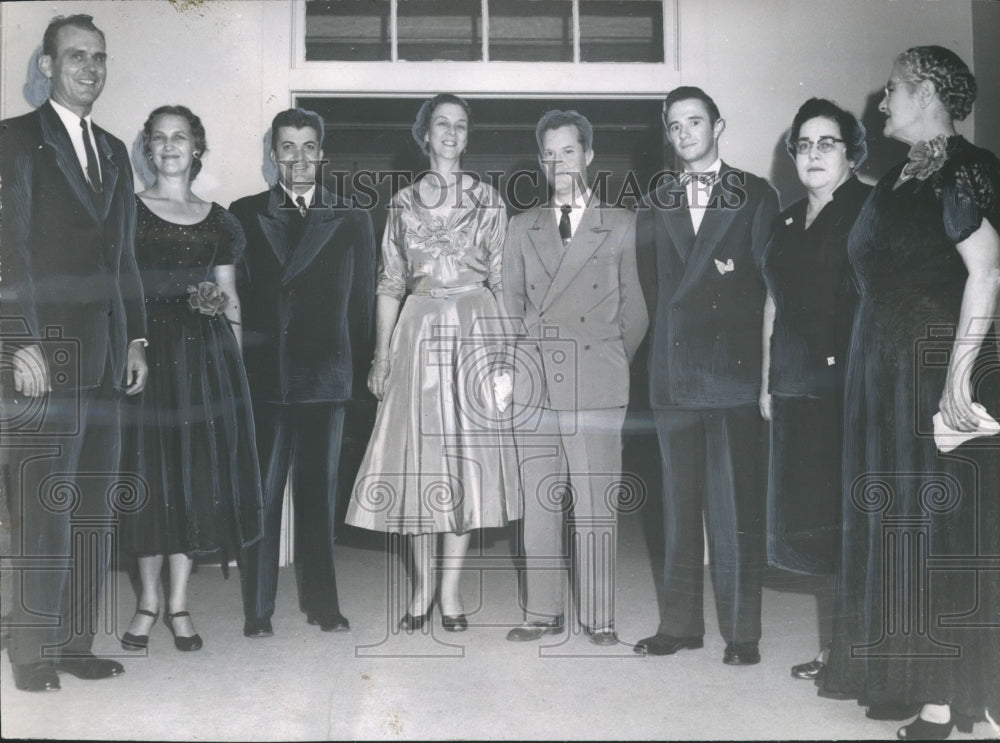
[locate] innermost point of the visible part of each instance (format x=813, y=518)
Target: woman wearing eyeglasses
x=918, y=593
x=807, y=316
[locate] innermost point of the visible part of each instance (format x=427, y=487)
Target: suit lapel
x=109, y=170
x=274, y=225
x=590, y=235
x=677, y=221
x=321, y=223
x=706, y=244
x=55, y=136
x=546, y=243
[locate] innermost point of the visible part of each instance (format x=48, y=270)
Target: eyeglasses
x=824, y=145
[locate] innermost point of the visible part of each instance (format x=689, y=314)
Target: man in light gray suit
x=570, y=283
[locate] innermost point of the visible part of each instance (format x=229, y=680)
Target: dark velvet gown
x=808, y=275
x=190, y=434
x=918, y=591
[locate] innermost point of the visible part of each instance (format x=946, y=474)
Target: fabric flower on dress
x=926, y=158
x=437, y=238
x=207, y=298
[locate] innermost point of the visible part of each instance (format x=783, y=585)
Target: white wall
x=760, y=59
x=207, y=56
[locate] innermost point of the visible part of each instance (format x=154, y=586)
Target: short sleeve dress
x=190, y=433
x=441, y=458
x=918, y=594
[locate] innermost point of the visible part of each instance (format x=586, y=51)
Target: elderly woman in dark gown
x=916, y=623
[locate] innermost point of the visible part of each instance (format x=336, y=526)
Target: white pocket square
x=725, y=267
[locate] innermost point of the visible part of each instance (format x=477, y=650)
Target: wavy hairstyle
x=197, y=131
x=422, y=124
x=852, y=131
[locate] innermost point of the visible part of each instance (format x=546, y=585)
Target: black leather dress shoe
x=741, y=654
x=89, y=667
x=809, y=671
x=667, y=644
x=535, y=630
x=36, y=677
x=330, y=622
x=603, y=637
x=257, y=628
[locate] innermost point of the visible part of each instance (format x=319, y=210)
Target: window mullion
x=394, y=30
x=576, y=31
x=485, y=14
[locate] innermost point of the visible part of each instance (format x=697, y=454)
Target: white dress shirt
x=308, y=195
x=698, y=195
x=72, y=123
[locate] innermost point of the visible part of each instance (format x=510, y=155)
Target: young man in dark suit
x=73, y=330
x=570, y=283
x=307, y=319
x=700, y=239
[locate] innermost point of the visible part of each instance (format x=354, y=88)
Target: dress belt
x=449, y=291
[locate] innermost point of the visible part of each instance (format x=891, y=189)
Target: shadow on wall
x=883, y=152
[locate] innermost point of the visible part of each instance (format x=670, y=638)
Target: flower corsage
x=207, y=298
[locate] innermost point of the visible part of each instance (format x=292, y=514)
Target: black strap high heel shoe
x=193, y=642
x=411, y=623
x=139, y=642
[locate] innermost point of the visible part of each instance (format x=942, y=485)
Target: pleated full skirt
x=441, y=458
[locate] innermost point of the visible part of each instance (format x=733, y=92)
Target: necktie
x=93, y=172
x=565, y=228
x=301, y=201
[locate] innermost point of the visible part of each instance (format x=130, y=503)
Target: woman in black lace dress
x=916, y=622
x=191, y=435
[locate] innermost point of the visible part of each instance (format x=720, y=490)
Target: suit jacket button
x=587, y=347
x=583, y=319
x=531, y=285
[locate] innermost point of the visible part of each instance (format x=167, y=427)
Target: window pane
x=356, y=30
x=621, y=30
x=531, y=30
x=440, y=30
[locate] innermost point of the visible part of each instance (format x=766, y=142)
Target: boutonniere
x=726, y=267
x=926, y=158
x=207, y=298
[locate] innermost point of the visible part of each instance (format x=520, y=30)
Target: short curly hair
x=952, y=78
x=197, y=131
x=422, y=124
x=852, y=131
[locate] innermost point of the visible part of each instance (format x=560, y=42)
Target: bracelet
x=379, y=360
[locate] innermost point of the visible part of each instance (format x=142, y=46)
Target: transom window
x=485, y=30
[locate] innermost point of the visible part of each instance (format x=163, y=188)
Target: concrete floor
x=374, y=683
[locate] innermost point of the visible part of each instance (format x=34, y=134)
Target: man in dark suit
x=73, y=330
x=307, y=319
x=570, y=282
x=700, y=238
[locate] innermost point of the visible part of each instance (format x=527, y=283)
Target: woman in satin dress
x=441, y=457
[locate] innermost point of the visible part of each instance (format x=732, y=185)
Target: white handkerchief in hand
x=948, y=439
x=503, y=390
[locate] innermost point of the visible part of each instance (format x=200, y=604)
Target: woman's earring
x=197, y=156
